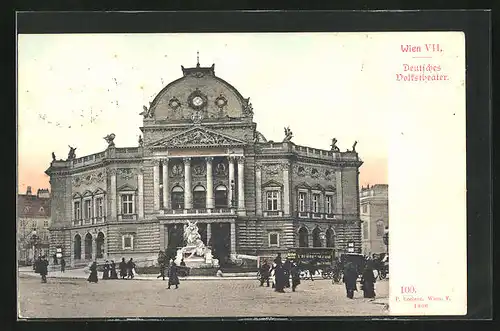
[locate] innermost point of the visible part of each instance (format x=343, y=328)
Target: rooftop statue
x=288, y=135
x=334, y=145
x=71, y=154
x=109, y=139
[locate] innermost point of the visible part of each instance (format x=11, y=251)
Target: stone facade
x=374, y=204
x=202, y=159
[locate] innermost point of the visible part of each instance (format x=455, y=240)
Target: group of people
x=367, y=280
x=283, y=271
x=126, y=270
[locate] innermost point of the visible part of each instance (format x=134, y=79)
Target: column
x=258, y=189
x=166, y=198
x=140, y=193
x=233, y=238
x=94, y=210
x=210, y=184
x=82, y=246
x=241, y=184
x=156, y=185
x=209, y=232
x=94, y=247
x=339, y=205
x=230, y=196
x=112, y=196
x=188, y=190
x=162, y=237
x=286, y=190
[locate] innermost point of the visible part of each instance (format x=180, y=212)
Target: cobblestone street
x=72, y=298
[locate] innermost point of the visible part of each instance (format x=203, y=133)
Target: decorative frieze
x=89, y=178
x=126, y=173
x=313, y=172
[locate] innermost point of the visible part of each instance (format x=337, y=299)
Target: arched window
x=177, y=198
x=380, y=228
x=199, y=197
x=88, y=247
x=316, y=237
x=330, y=238
x=77, y=247
x=100, y=245
x=303, y=237
x=221, y=197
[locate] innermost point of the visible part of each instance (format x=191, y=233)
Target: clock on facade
x=197, y=101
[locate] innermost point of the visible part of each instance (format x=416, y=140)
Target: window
x=100, y=207
x=303, y=237
x=128, y=241
x=380, y=228
x=272, y=200
x=127, y=204
x=302, y=201
x=315, y=203
x=78, y=213
x=365, y=208
x=46, y=224
x=274, y=239
x=177, y=198
x=199, y=197
x=87, y=209
x=220, y=197
x=328, y=204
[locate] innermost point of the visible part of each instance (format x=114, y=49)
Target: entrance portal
x=175, y=239
x=221, y=241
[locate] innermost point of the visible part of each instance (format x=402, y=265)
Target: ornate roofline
x=159, y=143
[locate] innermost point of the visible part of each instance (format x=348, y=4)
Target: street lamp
x=232, y=194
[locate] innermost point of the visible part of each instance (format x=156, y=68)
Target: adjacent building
x=374, y=203
x=33, y=223
x=202, y=159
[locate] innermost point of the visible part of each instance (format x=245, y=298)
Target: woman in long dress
x=112, y=271
x=105, y=274
x=173, y=279
x=350, y=277
x=93, y=273
x=295, y=272
x=368, y=282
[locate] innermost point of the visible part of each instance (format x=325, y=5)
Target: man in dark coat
x=123, y=268
x=287, y=266
x=63, y=264
x=350, y=277
x=173, y=279
x=368, y=282
x=264, y=273
x=295, y=273
x=93, y=273
x=105, y=274
x=113, y=274
x=162, y=260
x=279, y=274
x=43, y=268
x=130, y=268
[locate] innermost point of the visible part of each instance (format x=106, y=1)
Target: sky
x=76, y=89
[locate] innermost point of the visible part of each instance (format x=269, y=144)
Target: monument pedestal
x=195, y=261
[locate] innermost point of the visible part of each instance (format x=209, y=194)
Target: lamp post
x=232, y=194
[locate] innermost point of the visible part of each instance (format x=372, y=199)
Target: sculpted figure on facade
x=354, y=146
x=334, y=145
x=272, y=169
x=71, y=154
x=288, y=135
x=53, y=156
x=126, y=173
x=247, y=108
x=109, y=139
x=177, y=170
x=198, y=137
x=220, y=169
x=147, y=112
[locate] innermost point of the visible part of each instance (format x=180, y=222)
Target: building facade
x=33, y=223
x=374, y=202
x=202, y=159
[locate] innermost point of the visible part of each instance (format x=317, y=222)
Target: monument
x=195, y=254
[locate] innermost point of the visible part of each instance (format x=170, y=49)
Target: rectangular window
x=365, y=208
x=87, y=209
x=78, y=214
x=315, y=203
x=302, y=201
x=128, y=241
x=272, y=200
x=273, y=239
x=46, y=224
x=328, y=204
x=127, y=205
x=100, y=207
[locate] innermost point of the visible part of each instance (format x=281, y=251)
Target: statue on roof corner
x=147, y=112
x=71, y=154
x=53, y=156
x=288, y=135
x=141, y=142
x=354, y=146
x=109, y=139
x=334, y=145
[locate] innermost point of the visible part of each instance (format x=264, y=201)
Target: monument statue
x=288, y=135
x=109, y=139
x=141, y=142
x=53, y=156
x=354, y=146
x=334, y=145
x=195, y=252
x=71, y=154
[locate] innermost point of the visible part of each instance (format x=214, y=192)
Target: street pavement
x=76, y=298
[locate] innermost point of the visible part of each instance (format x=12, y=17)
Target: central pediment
x=197, y=137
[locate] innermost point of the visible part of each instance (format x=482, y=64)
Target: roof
x=32, y=206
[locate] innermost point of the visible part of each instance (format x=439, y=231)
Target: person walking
x=113, y=274
x=105, y=274
x=130, y=269
x=63, y=264
x=264, y=273
x=295, y=273
x=93, y=273
x=43, y=268
x=173, y=279
x=287, y=266
x=162, y=259
x=123, y=268
x=368, y=282
x=350, y=277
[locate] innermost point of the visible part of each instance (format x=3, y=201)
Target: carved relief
x=271, y=169
x=221, y=169
x=198, y=137
x=125, y=173
x=314, y=173
x=177, y=170
x=329, y=175
x=88, y=179
x=199, y=170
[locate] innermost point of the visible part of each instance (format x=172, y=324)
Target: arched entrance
x=175, y=239
x=199, y=197
x=88, y=247
x=220, y=197
x=177, y=198
x=77, y=247
x=303, y=237
x=330, y=238
x=221, y=241
x=100, y=245
x=316, y=237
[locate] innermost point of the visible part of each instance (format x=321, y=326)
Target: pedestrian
x=105, y=274
x=130, y=269
x=93, y=273
x=183, y=264
x=43, y=268
x=55, y=259
x=312, y=268
x=112, y=269
x=350, y=277
x=173, y=279
x=63, y=264
x=279, y=275
x=287, y=266
x=368, y=282
x=295, y=273
x=162, y=259
x=123, y=268
x=264, y=273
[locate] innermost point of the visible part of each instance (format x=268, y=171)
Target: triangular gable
x=77, y=196
x=272, y=183
x=303, y=185
x=197, y=137
x=317, y=187
x=331, y=188
x=87, y=193
x=126, y=187
x=99, y=191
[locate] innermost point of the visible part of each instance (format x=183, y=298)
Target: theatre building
x=202, y=159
